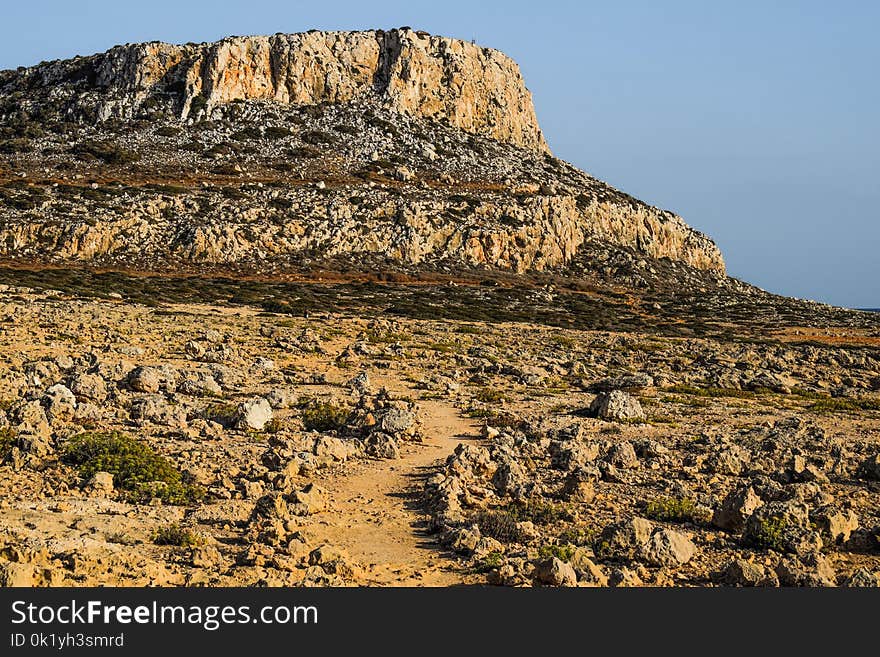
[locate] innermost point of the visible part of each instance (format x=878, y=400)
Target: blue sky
x=756, y=121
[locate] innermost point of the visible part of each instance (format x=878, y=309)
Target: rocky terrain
x=219, y=444
x=369, y=148
x=323, y=310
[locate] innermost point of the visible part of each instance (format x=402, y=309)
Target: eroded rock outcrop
x=477, y=89
x=361, y=148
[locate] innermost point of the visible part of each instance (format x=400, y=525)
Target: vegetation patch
x=137, y=470
x=323, y=416
x=490, y=396
x=844, y=404
x=8, y=440
x=561, y=552
x=768, y=534
x=488, y=563
x=499, y=524
x=671, y=509
x=222, y=413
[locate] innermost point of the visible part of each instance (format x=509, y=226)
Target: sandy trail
x=375, y=515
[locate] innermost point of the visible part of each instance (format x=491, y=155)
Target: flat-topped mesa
x=478, y=90
x=376, y=148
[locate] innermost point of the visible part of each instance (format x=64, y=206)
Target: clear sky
x=758, y=122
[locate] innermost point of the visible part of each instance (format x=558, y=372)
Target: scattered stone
x=812, y=569
x=555, y=572
x=736, y=509
x=622, y=540
x=835, y=526
x=145, y=379
x=254, y=414
x=863, y=578
x=307, y=501
x=588, y=572
x=60, y=402
x=668, y=548
x=579, y=486
x=89, y=386
x=617, y=406
x=740, y=572
x=381, y=446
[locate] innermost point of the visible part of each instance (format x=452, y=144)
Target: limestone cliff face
x=476, y=89
x=538, y=234
x=389, y=147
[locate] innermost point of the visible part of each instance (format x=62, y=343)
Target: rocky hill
x=368, y=150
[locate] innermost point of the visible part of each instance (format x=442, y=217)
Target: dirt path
x=375, y=517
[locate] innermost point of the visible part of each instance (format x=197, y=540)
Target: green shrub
x=174, y=534
x=488, y=563
x=137, y=470
x=844, y=404
x=490, y=396
x=671, y=509
x=8, y=440
x=561, y=552
x=324, y=416
x=499, y=524
x=768, y=534
x=578, y=536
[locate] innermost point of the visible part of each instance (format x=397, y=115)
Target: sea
x=871, y=310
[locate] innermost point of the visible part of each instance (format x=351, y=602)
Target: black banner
x=137, y=621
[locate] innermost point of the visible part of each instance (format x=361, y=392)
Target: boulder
x=396, y=421
x=156, y=410
x=617, y=406
x=60, y=402
x=89, y=386
x=555, y=572
x=835, y=526
x=736, y=509
x=622, y=455
x=812, y=569
x=622, y=540
x=666, y=547
x=145, y=379
x=784, y=527
x=254, y=414
x=308, y=500
x=588, y=572
x=740, y=572
x=381, y=446
x=870, y=468
x=101, y=484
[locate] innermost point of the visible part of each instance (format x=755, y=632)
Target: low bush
x=323, y=416
x=137, y=470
